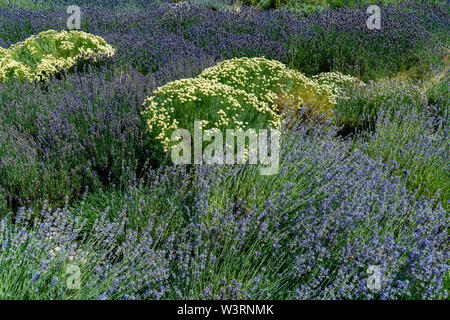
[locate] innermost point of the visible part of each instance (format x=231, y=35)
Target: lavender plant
x=359, y=105
x=50, y=52
x=438, y=93
x=419, y=146
x=106, y=269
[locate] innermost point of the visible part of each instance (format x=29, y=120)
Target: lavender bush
x=418, y=145
x=107, y=269
x=68, y=135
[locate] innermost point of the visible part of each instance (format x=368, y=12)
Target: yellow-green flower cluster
x=50, y=51
x=239, y=93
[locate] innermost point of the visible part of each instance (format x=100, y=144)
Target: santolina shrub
x=239, y=93
x=337, y=82
x=336, y=40
x=419, y=144
x=50, y=52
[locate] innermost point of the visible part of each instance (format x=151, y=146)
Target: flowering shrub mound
x=49, y=52
x=178, y=104
x=238, y=93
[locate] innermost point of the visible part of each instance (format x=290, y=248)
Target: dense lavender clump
x=419, y=144
x=80, y=183
x=360, y=105
x=309, y=232
x=108, y=269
